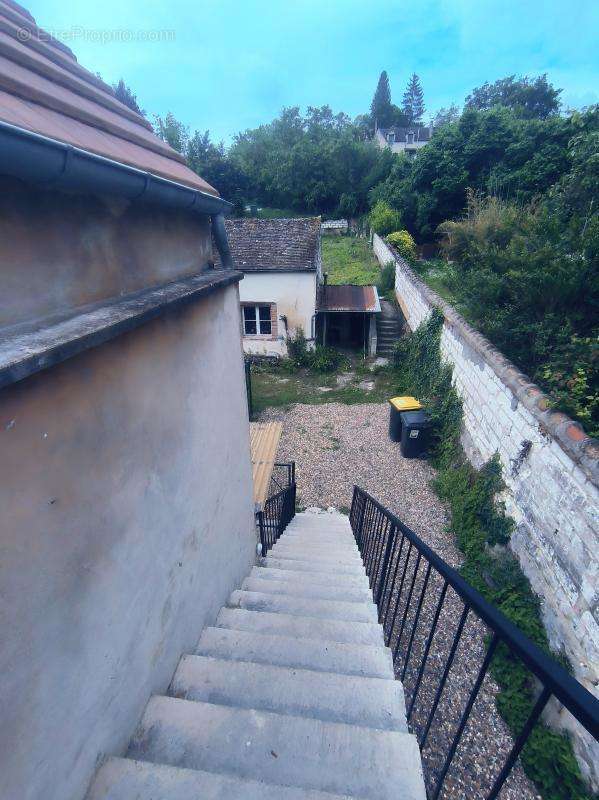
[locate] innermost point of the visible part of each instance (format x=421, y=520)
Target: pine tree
x=413, y=100
x=126, y=96
x=380, y=108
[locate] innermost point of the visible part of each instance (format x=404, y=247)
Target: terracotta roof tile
x=274, y=244
x=43, y=89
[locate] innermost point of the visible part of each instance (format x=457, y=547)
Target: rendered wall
x=552, y=495
x=295, y=296
x=60, y=251
x=126, y=519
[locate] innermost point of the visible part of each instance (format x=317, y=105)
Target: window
x=256, y=321
x=391, y=138
x=410, y=138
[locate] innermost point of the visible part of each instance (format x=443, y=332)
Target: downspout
x=219, y=232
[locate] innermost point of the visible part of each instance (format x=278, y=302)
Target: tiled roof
x=347, y=297
x=43, y=89
x=421, y=133
x=259, y=245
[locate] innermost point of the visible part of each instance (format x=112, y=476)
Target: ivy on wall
x=482, y=530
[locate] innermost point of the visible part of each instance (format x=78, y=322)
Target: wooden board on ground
x=264, y=441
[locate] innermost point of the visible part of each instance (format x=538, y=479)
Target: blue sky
x=233, y=64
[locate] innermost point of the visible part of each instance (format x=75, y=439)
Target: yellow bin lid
x=405, y=403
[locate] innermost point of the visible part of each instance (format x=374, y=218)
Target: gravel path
x=336, y=446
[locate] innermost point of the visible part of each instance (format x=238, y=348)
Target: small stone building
x=282, y=267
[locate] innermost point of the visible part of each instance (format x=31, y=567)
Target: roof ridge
x=14, y=25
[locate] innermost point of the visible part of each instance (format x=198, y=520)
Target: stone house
x=284, y=289
x=401, y=139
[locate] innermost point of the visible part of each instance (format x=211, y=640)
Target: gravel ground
x=336, y=446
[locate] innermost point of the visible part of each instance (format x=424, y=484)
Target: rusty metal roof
x=347, y=297
x=43, y=89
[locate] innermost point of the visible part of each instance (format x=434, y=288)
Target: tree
x=530, y=98
x=172, y=131
x=413, y=100
x=445, y=116
x=126, y=96
x=380, y=108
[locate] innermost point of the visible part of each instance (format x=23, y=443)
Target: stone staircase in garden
x=290, y=696
x=388, y=329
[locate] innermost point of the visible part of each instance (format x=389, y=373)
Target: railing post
x=386, y=557
x=260, y=516
x=361, y=522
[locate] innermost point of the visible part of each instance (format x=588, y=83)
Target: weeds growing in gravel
x=482, y=530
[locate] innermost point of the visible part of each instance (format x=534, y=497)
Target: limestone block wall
x=551, y=469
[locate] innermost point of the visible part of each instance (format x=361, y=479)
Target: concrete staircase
x=290, y=696
x=388, y=329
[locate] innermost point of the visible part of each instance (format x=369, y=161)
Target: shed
x=346, y=316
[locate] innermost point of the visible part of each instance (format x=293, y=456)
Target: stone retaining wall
x=550, y=466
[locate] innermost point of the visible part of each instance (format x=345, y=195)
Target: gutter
x=39, y=159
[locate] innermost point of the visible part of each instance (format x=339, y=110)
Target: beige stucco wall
x=295, y=296
x=125, y=521
x=60, y=251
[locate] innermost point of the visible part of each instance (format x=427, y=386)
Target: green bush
x=326, y=359
x=384, y=219
x=317, y=359
x=386, y=281
x=482, y=529
x=404, y=244
x=297, y=349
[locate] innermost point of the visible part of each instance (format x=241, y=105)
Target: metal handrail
x=278, y=510
x=381, y=537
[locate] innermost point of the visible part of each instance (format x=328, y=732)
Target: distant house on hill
x=403, y=139
x=284, y=289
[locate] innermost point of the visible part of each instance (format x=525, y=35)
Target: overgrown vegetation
x=404, y=244
x=482, y=529
x=349, y=259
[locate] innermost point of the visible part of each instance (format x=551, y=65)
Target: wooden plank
x=264, y=441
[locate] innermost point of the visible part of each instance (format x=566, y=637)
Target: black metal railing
x=248, y=386
x=425, y=607
x=279, y=509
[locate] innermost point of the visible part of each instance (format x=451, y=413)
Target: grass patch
x=279, y=213
x=349, y=259
x=272, y=387
x=482, y=530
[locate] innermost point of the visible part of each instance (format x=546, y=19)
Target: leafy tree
x=530, y=97
x=494, y=151
x=307, y=162
x=380, y=109
x=445, y=116
x=172, y=131
x=413, y=100
x=384, y=219
x=126, y=96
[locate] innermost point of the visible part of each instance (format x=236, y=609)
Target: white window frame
x=256, y=307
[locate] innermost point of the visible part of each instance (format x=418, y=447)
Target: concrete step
x=311, y=566
x=370, y=661
x=303, y=607
x=370, y=702
x=306, y=553
x=126, y=779
x=309, y=529
x=267, y=573
x=331, y=630
x=319, y=591
x=318, y=545
x=291, y=751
